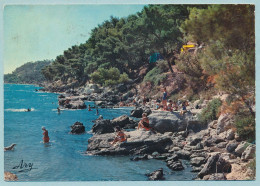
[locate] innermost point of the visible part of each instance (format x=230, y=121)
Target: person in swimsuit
x=164, y=99
x=46, y=138
x=120, y=137
x=89, y=109
x=144, y=122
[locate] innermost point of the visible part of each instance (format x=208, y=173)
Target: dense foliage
x=29, y=73
x=125, y=44
x=211, y=112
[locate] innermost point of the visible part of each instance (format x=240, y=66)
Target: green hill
x=29, y=73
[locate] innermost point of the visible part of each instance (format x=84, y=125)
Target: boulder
x=184, y=154
x=197, y=161
x=241, y=148
x=138, y=142
x=224, y=120
x=164, y=121
x=77, y=128
x=102, y=127
x=175, y=165
x=249, y=153
x=123, y=122
x=72, y=103
x=195, y=141
x=174, y=157
x=156, y=175
x=222, y=144
x=230, y=134
x=137, y=112
x=231, y=146
x=215, y=164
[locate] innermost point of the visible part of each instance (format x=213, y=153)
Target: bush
x=155, y=76
x=210, y=113
x=245, y=124
x=108, y=77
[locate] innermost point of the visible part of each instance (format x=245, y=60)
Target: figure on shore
x=11, y=147
x=184, y=110
x=164, y=99
x=46, y=138
x=120, y=136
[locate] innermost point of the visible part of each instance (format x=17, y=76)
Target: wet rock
x=175, y=165
x=231, y=146
x=249, y=153
x=197, y=161
x=77, y=128
x=137, y=112
x=197, y=169
x=137, y=158
x=198, y=147
x=156, y=175
x=121, y=121
x=174, y=157
x=102, y=127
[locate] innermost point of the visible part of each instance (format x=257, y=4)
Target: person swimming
x=46, y=138
x=28, y=110
x=58, y=110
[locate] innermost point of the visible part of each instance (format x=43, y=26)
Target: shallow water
x=64, y=158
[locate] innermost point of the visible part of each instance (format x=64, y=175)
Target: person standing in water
x=46, y=138
x=97, y=111
x=58, y=110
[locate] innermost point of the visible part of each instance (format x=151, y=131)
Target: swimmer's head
x=43, y=128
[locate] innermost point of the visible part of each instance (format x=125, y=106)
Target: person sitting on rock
x=120, y=137
x=144, y=122
x=175, y=106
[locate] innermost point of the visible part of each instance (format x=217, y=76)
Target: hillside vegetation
x=29, y=73
x=224, y=60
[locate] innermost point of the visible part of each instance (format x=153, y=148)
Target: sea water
x=64, y=158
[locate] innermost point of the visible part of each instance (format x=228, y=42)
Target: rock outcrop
x=8, y=176
x=156, y=175
x=77, y=128
x=138, y=142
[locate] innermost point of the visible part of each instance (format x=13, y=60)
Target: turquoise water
x=64, y=158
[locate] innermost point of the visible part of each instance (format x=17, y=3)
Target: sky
x=39, y=32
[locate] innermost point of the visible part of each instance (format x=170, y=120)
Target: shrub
x=155, y=76
x=210, y=113
x=245, y=124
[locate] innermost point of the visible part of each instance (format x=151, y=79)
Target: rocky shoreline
x=214, y=150
x=213, y=156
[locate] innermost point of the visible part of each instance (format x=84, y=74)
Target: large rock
x=137, y=112
x=138, y=142
x=241, y=148
x=122, y=122
x=175, y=165
x=77, y=128
x=249, y=153
x=156, y=175
x=215, y=164
x=72, y=103
x=102, y=127
x=224, y=121
x=231, y=146
x=164, y=121
x=197, y=161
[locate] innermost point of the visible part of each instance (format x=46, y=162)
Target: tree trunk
x=170, y=67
